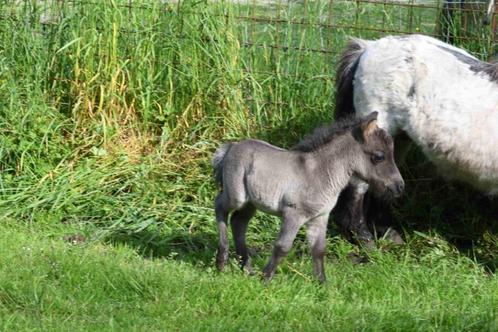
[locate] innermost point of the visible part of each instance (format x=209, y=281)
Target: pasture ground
x=49, y=284
x=108, y=119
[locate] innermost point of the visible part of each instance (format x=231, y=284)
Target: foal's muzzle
x=397, y=188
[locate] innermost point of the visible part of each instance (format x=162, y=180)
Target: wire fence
x=275, y=23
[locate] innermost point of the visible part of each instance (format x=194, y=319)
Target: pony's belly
x=453, y=168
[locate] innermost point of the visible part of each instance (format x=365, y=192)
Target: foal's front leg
x=291, y=222
x=316, y=234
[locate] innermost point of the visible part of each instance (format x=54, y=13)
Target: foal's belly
x=265, y=195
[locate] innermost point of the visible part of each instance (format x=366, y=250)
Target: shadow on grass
x=198, y=249
x=464, y=217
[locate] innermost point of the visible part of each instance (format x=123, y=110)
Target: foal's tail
x=345, y=76
x=217, y=162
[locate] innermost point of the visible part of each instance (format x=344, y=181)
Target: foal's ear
x=367, y=126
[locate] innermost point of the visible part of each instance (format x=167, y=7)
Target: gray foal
x=299, y=185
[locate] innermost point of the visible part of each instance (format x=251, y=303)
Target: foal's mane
x=325, y=134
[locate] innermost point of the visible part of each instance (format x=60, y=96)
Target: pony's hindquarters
x=384, y=82
x=348, y=64
x=375, y=76
x=444, y=99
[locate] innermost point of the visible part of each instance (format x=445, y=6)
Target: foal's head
x=375, y=164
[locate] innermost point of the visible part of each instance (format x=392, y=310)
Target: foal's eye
x=378, y=157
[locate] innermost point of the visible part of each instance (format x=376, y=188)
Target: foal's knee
x=318, y=251
x=282, y=248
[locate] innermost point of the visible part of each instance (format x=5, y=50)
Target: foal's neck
x=336, y=160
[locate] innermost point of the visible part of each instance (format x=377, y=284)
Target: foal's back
x=258, y=172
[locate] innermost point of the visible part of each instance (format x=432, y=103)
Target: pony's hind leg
x=349, y=215
x=239, y=222
x=379, y=212
x=316, y=234
x=380, y=219
x=290, y=226
x=221, y=210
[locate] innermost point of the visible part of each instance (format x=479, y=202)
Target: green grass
x=108, y=119
x=47, y=284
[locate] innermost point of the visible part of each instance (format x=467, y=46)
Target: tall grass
x=110, y=112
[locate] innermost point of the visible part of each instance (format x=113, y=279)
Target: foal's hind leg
x=221, y=211
x=316, y=234
x=239, y=222
x=290, y=226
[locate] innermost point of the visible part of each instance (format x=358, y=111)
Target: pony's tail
x=217, y=162
x=348, y=64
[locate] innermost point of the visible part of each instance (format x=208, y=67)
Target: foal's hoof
x=267, y=276
x=220, y=266
x=248, y=270
x=267, y=279
x=221, y=260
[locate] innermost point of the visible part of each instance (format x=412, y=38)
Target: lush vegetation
x=109, y=115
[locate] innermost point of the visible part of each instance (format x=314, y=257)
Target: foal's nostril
x=397, y=188
x=400, y=187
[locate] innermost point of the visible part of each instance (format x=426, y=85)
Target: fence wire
x=277, y=24
x=457, y=22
